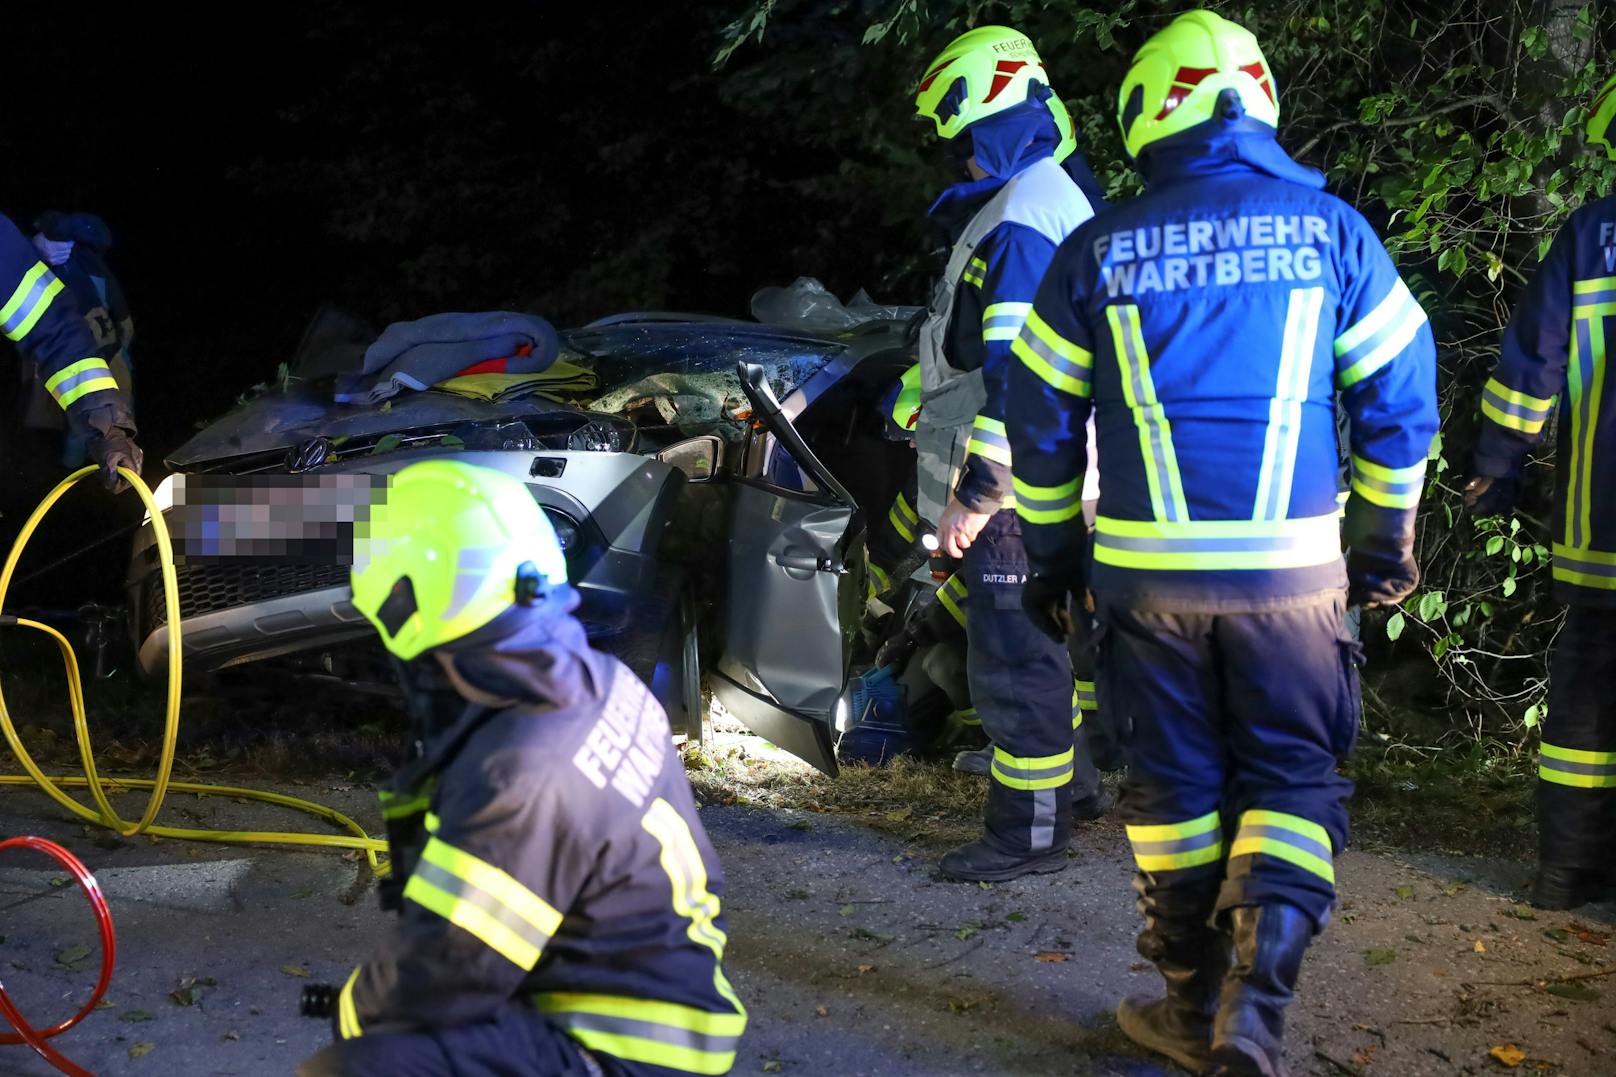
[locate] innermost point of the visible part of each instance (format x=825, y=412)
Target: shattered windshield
x=688, y=371
x=682, y=372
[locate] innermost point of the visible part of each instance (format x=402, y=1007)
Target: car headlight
x=599, y=436
x=566, y=529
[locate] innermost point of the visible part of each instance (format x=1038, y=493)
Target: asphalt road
x=854, y=958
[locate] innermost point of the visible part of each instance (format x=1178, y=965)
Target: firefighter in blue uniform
x=558, y=900
x=75, y=246
x=41, y=319
x=1211, y=325
x=1557, y=346
x=988, y=89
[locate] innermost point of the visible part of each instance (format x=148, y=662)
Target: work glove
x=1047, y=598
x=896, y=652
x=1380, y=554
x=112, y=444
x=1486, y=495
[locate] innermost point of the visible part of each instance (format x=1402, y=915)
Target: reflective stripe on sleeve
x=1216, y=545
x=1378, y=337
x=474, y=895
x=903, y=519
x=1584, y=567
x=1053, y=358
x=1581, y=769
x=1155, y=431
x=951, y=594
x=1003, y=321
x=989, y=441
x=1048, y=504
x=1388, y=487
x=1032, y=772
x=1287, y=837
x=80, y=379
x=29, y=302
x=1513, y=409
x=975, y=273
x=1175, y=846
x=879, y=580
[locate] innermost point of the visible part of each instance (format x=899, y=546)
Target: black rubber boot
x=1192, y=956
x=981, y=862
x=1093, y=807
x=1248, y=1032
x=1557, y=887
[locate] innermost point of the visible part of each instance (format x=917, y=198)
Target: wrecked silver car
x=710, y=481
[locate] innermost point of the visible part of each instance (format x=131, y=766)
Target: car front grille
x=209, y=586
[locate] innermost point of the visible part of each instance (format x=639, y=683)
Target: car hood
x=285, y=417
x=685, y=372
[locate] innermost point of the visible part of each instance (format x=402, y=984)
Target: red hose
x=109, y=952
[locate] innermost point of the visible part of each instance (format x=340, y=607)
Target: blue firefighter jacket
x=995, y=293
x=546, y=851
x=50, y=331
x=1556, y=346
x=1211, y=325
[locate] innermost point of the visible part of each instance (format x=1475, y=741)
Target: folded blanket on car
x=414, y=355
x=561, y=381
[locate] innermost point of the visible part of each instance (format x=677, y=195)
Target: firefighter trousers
x=1022, y=687
x=1576, y=789
x=1238, y=723
x=515, y=1042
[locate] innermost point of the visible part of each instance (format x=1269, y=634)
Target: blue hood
x=1003, y=145
x=1223, y=148
x=534, y=655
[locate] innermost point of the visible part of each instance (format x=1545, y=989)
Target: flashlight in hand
x=942, y=565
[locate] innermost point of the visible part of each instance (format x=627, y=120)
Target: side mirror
x=699, y=457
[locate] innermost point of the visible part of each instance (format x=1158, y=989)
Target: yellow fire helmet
x=448, y=548
x=1601, y=115
x=981, y=73
x=1178, y=75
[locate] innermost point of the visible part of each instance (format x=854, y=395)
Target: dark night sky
x=215, y=146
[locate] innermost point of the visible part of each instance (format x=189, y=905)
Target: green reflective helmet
x=901, y=406
x=981, y=73
x=447, y=549
x=1179, y=74
x=1601, y=115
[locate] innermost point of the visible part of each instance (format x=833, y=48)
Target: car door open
x=795, y=578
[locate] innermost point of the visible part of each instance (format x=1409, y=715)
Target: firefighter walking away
x=1211, y=325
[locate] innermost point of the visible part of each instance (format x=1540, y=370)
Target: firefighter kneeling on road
x=1211, y=325
x=558, y=899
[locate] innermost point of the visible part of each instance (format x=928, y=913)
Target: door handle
x=808, y=563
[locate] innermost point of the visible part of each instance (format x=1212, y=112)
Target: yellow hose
x=103, y=813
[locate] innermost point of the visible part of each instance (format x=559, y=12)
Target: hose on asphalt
x=103, y=814
x=35, y=1037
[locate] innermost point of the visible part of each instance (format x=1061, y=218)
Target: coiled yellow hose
x=103, y=813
